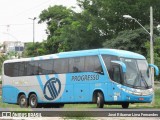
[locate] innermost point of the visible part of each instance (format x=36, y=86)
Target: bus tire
x=22, y=101
x=125, y=105
x=100, y=100
x=33, y=101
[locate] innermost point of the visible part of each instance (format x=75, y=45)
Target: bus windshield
x=137, y=74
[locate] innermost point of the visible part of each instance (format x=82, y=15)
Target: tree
x=156, y=52
x=35, y=49
x=132, y=40
x=68, y=30
x=56, y=18
x=100, y=21
x=80, y=34
x=118, y=32
x=2, y=59
x=108, y=14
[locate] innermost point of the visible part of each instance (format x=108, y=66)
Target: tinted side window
x=60, y=66
x=116, y=74
x=92, y=64
x=107, y=60
x=76, y=64
x=15, y=69
x=46, y=67
x=8, y=69
x=32, y=68
x=22, y=69
x=29, y=69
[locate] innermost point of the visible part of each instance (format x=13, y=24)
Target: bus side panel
x=85, y=83
x=67, y=95
x=99, y=86
x=9, y=94
x=50, y=88
x=81, y=92
x=114, y=92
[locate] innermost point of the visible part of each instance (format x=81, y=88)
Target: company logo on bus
x=52, y=88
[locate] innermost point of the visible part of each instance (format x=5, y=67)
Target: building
x=13, y=46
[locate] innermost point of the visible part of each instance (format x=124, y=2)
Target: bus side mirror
x=156, y=68
x=121, y=64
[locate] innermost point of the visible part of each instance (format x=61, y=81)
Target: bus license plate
x=141, y=98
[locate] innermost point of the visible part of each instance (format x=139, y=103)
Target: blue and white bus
x=101, y=76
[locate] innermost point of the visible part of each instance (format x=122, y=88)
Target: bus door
x=114, y=90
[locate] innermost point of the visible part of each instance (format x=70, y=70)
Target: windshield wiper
x=143, y=79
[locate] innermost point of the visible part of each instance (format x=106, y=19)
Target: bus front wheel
x=22, y=101
x=125, y=105
x=100, y=100
x=33, y=102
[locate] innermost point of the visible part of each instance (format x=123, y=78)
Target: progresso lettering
x=85, y=77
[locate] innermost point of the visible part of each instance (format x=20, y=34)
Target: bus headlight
x=143, y=92
x=138, y=92
x=130, y=92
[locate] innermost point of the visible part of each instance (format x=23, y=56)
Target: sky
x=15, y=24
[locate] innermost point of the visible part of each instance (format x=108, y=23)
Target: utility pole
x=33, y=19
x=152, y=51
x=33, y=28
x=8, y=26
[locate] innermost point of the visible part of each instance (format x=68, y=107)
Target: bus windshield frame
x=137, y=73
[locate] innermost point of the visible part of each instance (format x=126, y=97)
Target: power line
x=16, y=24
x=33, y=8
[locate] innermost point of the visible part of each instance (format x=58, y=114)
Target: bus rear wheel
x=22, y=101
x=33, y=102
x=125, y=105
x=100, y=100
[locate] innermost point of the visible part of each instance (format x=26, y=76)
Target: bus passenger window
x=45, y=67
x=16, y=67
x=75, y=69
x=60, y=66
x=22, y=69
x=92, y=64
x=8, y=69
x=76, y=64
x=116, y=74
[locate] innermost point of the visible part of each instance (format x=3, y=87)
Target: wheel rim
x=33, y=102
x=23, y=101
x=98, y=101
